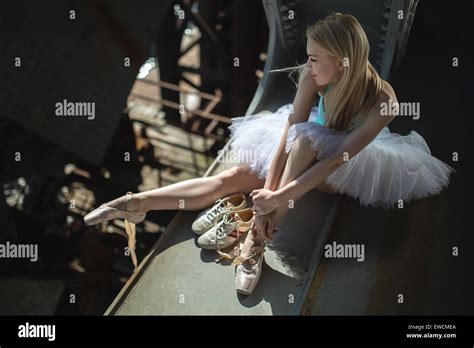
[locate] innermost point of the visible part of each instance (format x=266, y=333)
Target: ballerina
x=343, y=145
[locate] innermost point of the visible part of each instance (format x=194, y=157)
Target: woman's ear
x=340, y=66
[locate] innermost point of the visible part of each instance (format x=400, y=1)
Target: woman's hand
x=264, y=225
x=264, y=201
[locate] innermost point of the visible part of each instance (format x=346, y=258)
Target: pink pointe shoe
x=249, y=265
x=106, y=213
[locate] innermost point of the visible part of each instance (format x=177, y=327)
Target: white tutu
x=391, y=168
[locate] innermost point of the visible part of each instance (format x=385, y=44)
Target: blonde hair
x=357, y=87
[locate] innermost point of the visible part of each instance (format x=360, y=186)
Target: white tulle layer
x=391, y=168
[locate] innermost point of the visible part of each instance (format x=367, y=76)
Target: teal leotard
x=320, y=116
x=319, y=119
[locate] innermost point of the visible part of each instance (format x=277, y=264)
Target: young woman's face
x=324, y=67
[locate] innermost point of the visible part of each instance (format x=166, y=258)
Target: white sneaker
x=209, y=217
x=230, y=230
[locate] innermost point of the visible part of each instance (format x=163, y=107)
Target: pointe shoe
x=229, y=231
x=214, y=214
x=106, y=213
x=248, y=267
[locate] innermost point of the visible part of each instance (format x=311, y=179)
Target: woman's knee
x=302, y=146
x=232, y=177
x=301, y=156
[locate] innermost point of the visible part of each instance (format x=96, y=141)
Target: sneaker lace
x=226, y=226
x=216, y=210
x=223, y=227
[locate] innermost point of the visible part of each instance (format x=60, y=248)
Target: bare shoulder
x=383, y=106
x=387, y=93
x=386, y=97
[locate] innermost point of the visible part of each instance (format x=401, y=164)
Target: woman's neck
x=325, y=89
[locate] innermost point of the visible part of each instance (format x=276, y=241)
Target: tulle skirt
x=391, y=168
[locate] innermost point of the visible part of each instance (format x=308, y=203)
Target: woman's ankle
x=140, y=203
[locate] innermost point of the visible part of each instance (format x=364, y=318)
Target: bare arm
x=352, y=145
x=302, y=104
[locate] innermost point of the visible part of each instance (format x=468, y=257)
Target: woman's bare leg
x=195, y=194
x=301, y=157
